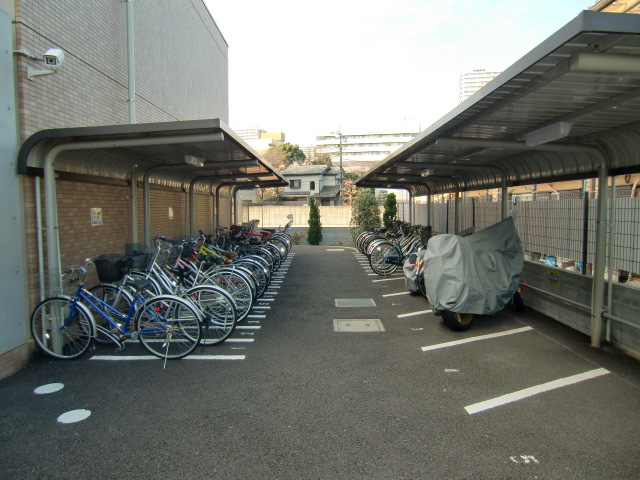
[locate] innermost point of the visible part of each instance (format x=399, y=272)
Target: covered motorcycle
x=474, y=275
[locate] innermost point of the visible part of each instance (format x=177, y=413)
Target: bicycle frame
x=105, y=310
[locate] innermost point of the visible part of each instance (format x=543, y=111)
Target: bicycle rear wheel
x=218, y=310
x=168, y=327
x=61, y=328
x=380, y=257
x=236, y=285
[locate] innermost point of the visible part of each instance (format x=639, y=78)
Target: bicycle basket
x=139, y=255
x=112, y=267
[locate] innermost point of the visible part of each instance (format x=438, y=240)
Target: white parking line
x=396, y=294
x=475, y=339
x=120, y=358
x=529, y=392
x=414, y=313
x=388, y=279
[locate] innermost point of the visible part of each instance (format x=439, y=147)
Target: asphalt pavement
x=518, y=396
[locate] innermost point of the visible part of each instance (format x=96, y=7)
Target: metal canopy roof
x=157, y=149
x=587, y=74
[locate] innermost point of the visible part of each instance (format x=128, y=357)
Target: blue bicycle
x=64, y=327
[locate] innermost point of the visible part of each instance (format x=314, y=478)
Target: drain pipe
x=39, y=238
x=131, y=62
x=134, y=203
x=612, y=233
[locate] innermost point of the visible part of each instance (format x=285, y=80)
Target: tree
x=365, y=212
x=314, y=234
x=322, y=159
x=292, y=154
x=275, y=156
x=390, y=210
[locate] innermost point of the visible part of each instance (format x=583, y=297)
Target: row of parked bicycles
x=462, y=275
x=172, y=298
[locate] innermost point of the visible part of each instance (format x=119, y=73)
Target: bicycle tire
x=117, y=298
x=218, y=310
x=378, y=259
x=259, y=272
x=72, y=336
x=236, y=285
x=281, y=245
x=168, y=327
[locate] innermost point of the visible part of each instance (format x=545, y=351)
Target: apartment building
x=358, y=149
x=67, y=65
x=471, y=82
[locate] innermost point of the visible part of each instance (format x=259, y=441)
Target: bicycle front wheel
x=168, y=327
x=62, y=328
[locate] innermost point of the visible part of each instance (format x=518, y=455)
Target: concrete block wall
x=577, y=287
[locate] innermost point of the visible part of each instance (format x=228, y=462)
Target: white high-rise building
x=471, y=82
x=362, y=148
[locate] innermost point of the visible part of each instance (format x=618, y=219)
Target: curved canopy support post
x=504, y=195
x=597, y=297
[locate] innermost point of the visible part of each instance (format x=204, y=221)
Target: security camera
x=53, y=58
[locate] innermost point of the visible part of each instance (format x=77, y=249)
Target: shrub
x=365, y=213
x=390, y=210
x=314, y=234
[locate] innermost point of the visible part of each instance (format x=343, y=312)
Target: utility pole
x=340, y=174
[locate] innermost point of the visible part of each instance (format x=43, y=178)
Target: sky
x=308, y=68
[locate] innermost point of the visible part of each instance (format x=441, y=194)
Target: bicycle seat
x=138, y=284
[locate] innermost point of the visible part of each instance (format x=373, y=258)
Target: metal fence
x=557, y=231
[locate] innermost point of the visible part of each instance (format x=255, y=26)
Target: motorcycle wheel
x=517, y=303
x=457, y=321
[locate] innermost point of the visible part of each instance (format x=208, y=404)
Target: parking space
x=345, y=375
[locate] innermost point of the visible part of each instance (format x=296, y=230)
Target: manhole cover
x=355, y=302
x=358, y=325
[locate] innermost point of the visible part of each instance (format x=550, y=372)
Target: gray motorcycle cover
x=476, y=274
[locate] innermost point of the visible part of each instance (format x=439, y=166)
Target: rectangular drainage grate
x=355, y=302
x=358, y=325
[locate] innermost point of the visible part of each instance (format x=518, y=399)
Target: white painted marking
x=74, y=416
x=231, y=340
x=396, y=294
x=266, y=300
x=254, y=316
x=335, y=249
x=389, y=279
x=531, y=391
x=48, y=388
x=412, y=314
x=476, y=339
x=261, y=307
x=248, y=327
x=153, y=357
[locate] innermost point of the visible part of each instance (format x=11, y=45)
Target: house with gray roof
x=320, y=181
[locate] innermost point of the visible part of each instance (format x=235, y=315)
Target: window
x=312, y=186
x=294, y=184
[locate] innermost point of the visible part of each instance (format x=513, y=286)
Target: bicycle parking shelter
x=203, y=154
x=567, y=110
